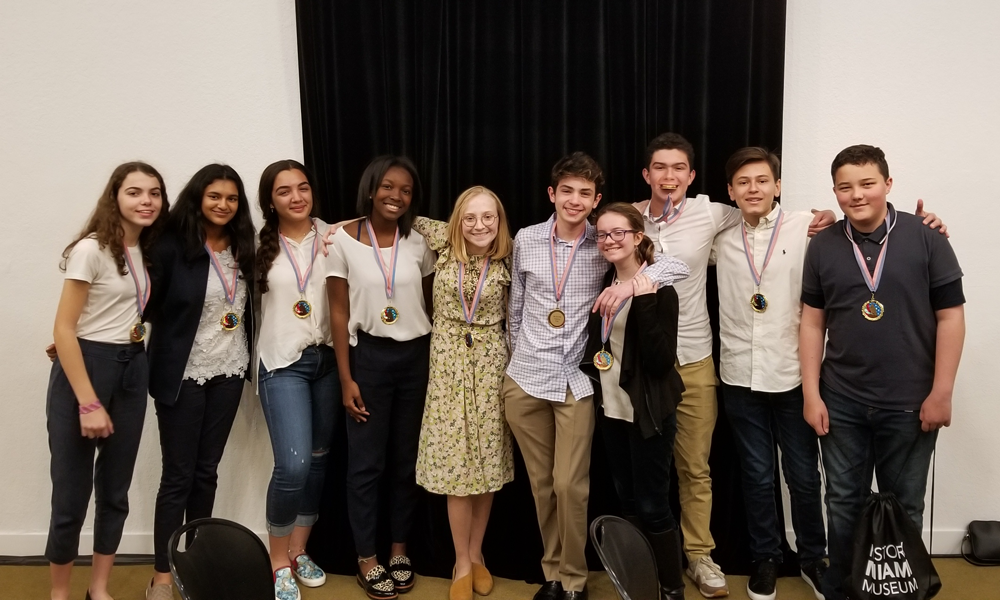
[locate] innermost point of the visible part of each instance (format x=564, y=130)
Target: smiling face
x=617, y=252
x=754, y=188
x=392, y=197
x=219, y=202
x=292, y=196
x=574, y=198
x=669, y=174
x=480, y=223
x=861, y=192
x=140, y=199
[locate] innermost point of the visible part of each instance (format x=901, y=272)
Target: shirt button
x=868, y=258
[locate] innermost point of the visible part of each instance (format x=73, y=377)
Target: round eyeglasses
x=489, y=219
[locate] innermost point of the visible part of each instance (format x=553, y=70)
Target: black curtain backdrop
x=493, y=93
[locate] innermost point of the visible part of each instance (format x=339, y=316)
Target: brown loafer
x=461, y=589
x=482, y=581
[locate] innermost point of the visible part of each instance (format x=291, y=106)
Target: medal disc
x=758, y=303
x=468, y=340
x=872, y=310
x=603, y=360
x=137, y=333
x=230, y=321
x=302, y=308
x=557, y=318
x=390, y=315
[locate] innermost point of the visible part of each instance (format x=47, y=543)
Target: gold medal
x=230, y=321
x=137, y=333
x=603, y=360
x=758, y=302
x=557, y=318
x=302, y=308
x=389, y=315
x=872, y=310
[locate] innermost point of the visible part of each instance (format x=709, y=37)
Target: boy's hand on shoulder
x=821, y=220
x=931, y=220
x=935, y=412
x=611, y=298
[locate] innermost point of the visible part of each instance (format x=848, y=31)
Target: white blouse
x=216, y=351
x=111, y=309
x=355, y=262
x=283, y=335
x=617, y=404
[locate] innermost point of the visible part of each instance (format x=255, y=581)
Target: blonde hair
x=501, y=246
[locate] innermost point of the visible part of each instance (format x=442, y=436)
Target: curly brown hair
x=268, y=249
x=105, y=223
x=578, y=164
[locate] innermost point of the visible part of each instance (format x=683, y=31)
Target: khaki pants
x=696, y=416
x=555, y=439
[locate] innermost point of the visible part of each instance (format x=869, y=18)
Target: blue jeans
x=759, y=419
x=303, y=408
x=864, y=440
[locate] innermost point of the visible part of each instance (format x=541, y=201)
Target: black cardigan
x=174, y=309
x=649, y=353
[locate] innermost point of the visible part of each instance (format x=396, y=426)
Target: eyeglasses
x=615, y=234
x=489, y=219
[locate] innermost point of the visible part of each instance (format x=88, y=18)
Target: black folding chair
x=223, y=561
x=627, y=558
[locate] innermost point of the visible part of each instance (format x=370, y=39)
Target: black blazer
x=174, y=310
x=649, y=353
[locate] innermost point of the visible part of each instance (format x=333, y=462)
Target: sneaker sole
x=754, y=596
x=819, y=594
x=311, y=583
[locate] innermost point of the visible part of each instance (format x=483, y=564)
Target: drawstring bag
x=890, y=560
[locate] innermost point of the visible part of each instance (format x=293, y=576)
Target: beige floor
x=961, y=582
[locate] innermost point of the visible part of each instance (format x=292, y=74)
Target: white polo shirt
x=760, y=351
x=690, y=239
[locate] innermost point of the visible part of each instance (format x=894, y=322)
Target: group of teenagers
x=433, y=342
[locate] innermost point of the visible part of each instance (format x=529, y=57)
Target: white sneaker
x=708, y=577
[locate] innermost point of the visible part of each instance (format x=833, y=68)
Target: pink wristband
x=89, y=408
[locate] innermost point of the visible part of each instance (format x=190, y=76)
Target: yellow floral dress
x=465, y=443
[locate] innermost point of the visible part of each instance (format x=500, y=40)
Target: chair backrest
x=223, y=560
x=627, y=558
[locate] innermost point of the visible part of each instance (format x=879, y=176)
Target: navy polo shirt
x=887, y=363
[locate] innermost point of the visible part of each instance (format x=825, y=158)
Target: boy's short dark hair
x=752, y=154
x=578, y=164
x=860, y=154
x=669, y=141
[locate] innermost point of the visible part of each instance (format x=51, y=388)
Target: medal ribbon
x=870, y=280
x=390, y=283
x=141, y=298
x=607, y=324
x=676, y=214
x=466, y=311
x=560, y=284
x=302, y=279
x=770, y=249
x=230, y=290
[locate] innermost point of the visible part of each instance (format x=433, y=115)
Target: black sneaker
x=761, y=584
x=813, y=575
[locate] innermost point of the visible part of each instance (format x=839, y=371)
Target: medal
x=603, y=359
x=872, y=309
x=674, y=213
x=138, y=331
x=230, y=321
x=389, y=314
x=557, y=318
x=470, y=311
x=758, y=302
x=301, y=308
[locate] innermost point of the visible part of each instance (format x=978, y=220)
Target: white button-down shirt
x=690, y=239
x=760, y=351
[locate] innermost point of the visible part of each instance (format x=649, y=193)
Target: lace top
x=216, y=351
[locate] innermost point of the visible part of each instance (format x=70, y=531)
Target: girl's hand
x=96, y=424
x=642, y=284
x=50, y=351
x=353, y=403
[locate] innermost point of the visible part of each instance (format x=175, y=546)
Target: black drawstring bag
x=890, y=560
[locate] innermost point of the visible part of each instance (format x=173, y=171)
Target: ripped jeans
x=303, y=409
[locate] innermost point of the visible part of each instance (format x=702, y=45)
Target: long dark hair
x=372, y=178
x=644, y=251
x=268, y=249
x=105, y=222
x=188, y=222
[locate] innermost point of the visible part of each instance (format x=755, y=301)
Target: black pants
x=193, y=435
x=392, y=377
x=119, y=374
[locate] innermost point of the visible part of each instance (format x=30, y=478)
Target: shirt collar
x=879, y=234
x=769, y=219
x=591, y=230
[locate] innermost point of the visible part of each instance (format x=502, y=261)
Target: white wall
x=86, y=86
x=918, y=79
